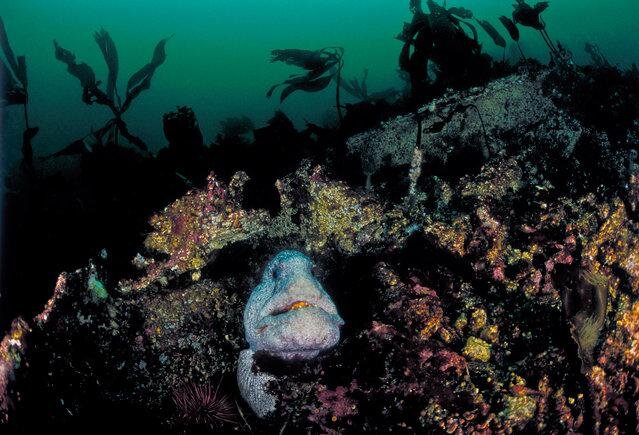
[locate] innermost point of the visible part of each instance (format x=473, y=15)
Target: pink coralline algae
x=334, y=405
x=195, y=226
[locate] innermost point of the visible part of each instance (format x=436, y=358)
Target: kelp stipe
x=323, y=66
x=13, y=78
x=91, y=92
x=417, y=48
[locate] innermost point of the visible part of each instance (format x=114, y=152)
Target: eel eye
x=276, y=272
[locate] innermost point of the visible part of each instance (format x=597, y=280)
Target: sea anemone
x=201, y=404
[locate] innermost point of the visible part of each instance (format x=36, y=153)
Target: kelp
x=110, y=54
x=446, y=23
x=460, y=12
x=6, y=48
x=456, y=52
x=306, y=86
x=511, y=27
x=322, y=66
x=358, y=88
x=444, y=38
x=492, y=32
x=513, y=31
x=307, y=59
x=530, y=16
x=13, y=79
x=416, y=51
x=82, y=71
x=415, y=6
x=91, y=92
x=13, y=91
x=141, y=79
x=14, y=72
x=441, y=20
x=597, y=57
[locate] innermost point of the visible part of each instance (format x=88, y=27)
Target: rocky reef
x=487, y=275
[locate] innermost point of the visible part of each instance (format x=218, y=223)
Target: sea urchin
x=203, y=404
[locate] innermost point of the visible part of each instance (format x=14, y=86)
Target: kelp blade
x=82, y=71
x=145, y=74
x=464, y=13
x=511, y=27
x=306, y=86
x=307, y=59
x=6, y=49
x=110, y=54
x=493, y=33
x=541, y=6
x=13, y=93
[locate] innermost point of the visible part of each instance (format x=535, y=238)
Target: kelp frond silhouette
x=596, y=55
x=92, y=93
x=530, y=16
x=14, y=72
x=444, y=37
x=491, y=31
x=13, y=78
x=358, y=88
x=322, y=66
x=513, y=31
x=110, y=54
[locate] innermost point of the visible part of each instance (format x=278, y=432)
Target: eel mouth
x=297, y=305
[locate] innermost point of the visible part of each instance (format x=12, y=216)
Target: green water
x=218, y=59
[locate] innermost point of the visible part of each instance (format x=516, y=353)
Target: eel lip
x=296, y=305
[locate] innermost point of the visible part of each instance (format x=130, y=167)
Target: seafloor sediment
x=500, y=297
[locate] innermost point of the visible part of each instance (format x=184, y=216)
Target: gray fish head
x=289, y=314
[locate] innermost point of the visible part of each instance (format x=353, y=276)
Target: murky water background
x=218, y=59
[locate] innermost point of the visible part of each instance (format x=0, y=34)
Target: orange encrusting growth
x=299, y=304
